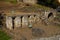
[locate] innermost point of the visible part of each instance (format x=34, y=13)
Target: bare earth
x=21, y=33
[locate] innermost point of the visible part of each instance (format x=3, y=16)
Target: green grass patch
x=4, y=36
x=11, y=1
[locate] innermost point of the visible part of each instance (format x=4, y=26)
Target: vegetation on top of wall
x=42, y=7
x=49, y=3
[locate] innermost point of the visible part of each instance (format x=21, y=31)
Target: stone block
x=9, y=24
x=17, y=22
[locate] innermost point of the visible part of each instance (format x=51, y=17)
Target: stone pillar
x=9, y=24
x=17, y=22
x=46, y=14
x=31, y=19
x=24, y=21
x=36, y=18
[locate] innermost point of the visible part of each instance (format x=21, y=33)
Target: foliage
x=4, y=36
x=12, y=1
x=50, y=3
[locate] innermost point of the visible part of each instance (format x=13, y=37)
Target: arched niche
x=50, y=15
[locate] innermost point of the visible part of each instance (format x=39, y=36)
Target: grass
x=12, y=1
x=42, y=7
x=4, y=36
x=39, y=6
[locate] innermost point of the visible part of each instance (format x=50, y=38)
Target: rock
x=37, y=32
x=23, y=38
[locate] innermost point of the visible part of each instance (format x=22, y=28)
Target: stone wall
x=28, y=20
x=19, y=21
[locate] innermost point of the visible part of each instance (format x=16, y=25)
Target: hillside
x=39, y=29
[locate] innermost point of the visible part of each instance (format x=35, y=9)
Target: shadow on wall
x=1, y=19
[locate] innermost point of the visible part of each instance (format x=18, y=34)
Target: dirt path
x=26, y=33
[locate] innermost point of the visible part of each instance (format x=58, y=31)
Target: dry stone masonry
x=24, y=21
x=19, y=21
x=18, y=18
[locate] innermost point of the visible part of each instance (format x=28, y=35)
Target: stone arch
x=50, y=14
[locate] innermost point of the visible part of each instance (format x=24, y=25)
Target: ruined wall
x=27, y=20
x=48, y=16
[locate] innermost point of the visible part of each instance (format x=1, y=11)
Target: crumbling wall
x=48, y=16
x=28, y=20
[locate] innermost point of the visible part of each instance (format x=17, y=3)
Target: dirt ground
x=26, y=33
